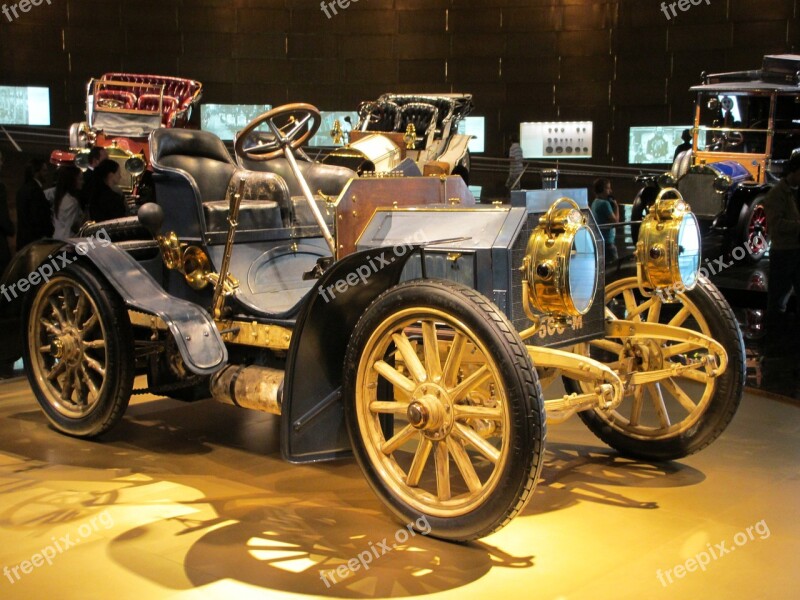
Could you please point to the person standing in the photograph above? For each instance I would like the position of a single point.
(96, 155)
(606, 212)
(105, 202)
(783, 218)
(516, 168)
(67, 213)
(34, 219)
(6, 225)
(686, 136)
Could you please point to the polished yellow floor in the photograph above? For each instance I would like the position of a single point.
(194, 501)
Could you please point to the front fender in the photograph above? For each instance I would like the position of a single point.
(313, 426)
(195, 333)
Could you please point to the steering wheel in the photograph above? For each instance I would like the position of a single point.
(291, 125)
(726, 140)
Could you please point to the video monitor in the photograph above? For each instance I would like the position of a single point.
(556, 140)
(347, 120)
(24, 105)
(654, 145)
(474, 126)
(225, 120)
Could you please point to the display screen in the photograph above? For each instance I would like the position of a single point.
(564, 139)
(24, 105)
(474, 126)
(654, 145)
(347, 120)
(225, 120)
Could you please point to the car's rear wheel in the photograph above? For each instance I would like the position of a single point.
(675, 416)
(444, 409)
(78, 351)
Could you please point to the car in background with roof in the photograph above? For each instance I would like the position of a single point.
(746, 125)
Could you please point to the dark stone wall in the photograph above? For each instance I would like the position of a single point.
(618, 63)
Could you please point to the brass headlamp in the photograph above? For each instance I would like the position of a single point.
(668, 249)
(561, 264)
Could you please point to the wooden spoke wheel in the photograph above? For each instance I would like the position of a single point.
(675, 415)
(78, 352)
(444, 409)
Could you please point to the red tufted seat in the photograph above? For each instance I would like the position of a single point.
(184, 92)
(115, 99)
(168, 109)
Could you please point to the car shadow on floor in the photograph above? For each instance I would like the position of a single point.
(204, 496)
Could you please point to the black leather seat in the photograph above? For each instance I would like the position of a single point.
(380, 116)
(328, 179)
(195, 176)
(423, 116)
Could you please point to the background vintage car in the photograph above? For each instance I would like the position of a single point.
(122, 109)
(389, 317)
(746, 124)
(421, 129)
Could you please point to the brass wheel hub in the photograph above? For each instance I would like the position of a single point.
(430, 411)
(67, 347)
(642, 355)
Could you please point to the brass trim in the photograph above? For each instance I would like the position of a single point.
(251, 333)
(605, 387)
(657, 249)
(546, 266)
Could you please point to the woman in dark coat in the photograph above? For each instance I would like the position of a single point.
(34, 218)
(104, 201)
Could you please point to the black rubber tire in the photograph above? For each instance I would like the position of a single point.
(115, 390)
(724, 402)
(526, 406)
(743, 237)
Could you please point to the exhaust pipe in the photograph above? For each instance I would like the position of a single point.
(255, 388)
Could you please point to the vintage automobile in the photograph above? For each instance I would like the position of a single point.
(746, 125)
(122, 109)
(391, 318)
(420, 129)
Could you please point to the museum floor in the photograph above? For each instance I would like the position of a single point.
(194, 501)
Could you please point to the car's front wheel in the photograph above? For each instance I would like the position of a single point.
(78, 351)
(754, 234)
(444, 409)
(672, 416)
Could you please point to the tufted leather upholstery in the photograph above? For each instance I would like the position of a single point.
(184, 91)
(127, 99)
(423, 116)
(151, 102)
(202, 156)
(381, 116)
(328, 179)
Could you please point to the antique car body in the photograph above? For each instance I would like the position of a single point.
(419, 128)
(388, 321)
(122, 109)
(746, 124)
